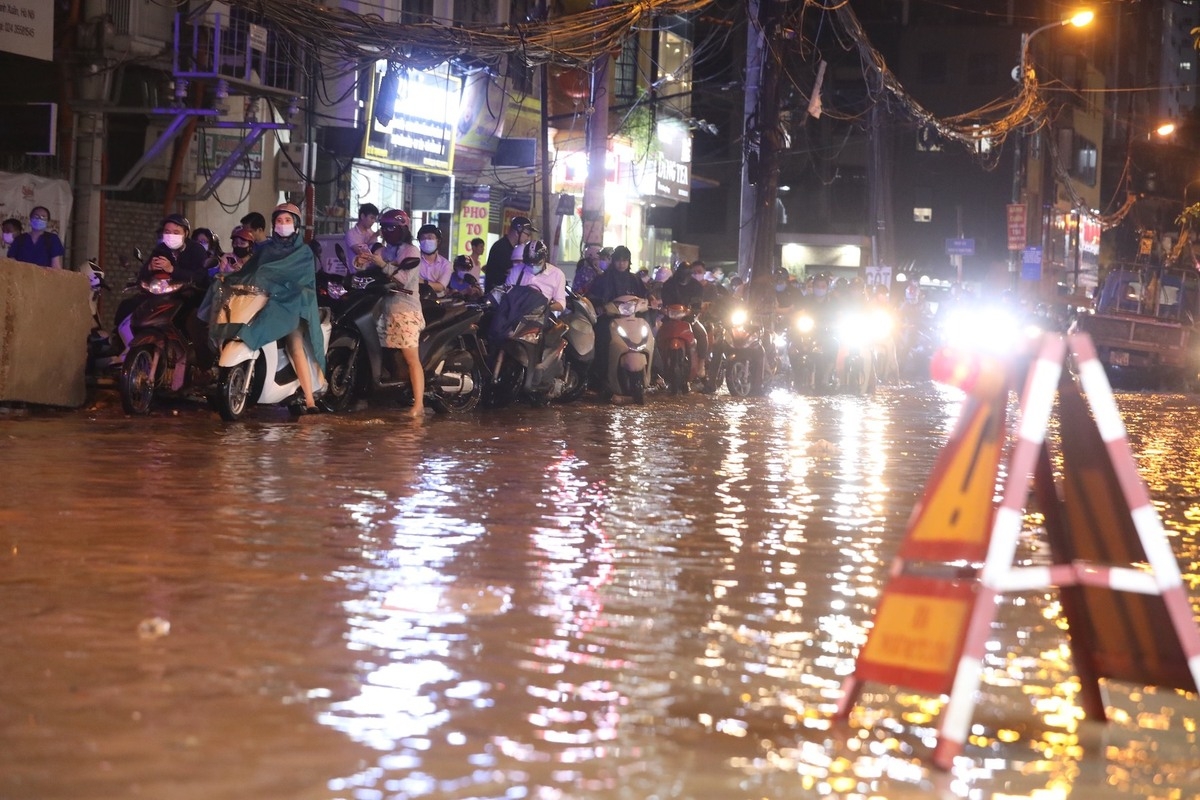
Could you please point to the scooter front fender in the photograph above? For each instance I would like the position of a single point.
(235, 352)
(634, 361)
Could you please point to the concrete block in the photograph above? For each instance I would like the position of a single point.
(45, 318)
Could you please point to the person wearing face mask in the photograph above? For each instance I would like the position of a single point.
(175, 258)
(400, 325)
(286, 269)
(463, 283)
(10, 229)
(241, 243)
(587, 270)
(39, 245)
(534, 270)
(436, 269)
(616, 281)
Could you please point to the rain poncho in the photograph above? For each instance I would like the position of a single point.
(286, 270)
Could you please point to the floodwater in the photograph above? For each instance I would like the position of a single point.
(576, 602)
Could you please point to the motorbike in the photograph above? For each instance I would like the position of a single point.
(675, 342)
(580, 319)
(451, 354)
(161, 357)
(742, 356)
(247, 377)
(860, 332)
(630, 348)
(529, 345)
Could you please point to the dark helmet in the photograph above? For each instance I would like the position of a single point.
(427, 229)
(177, 219)
(395, 217)
(462, 263)
(683, 265)
(536, 253)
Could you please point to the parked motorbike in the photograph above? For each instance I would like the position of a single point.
(630, 348)
(450, 350)
(580, 319)
(247, 377)
(528, 346)
(105, 349)
(161, 358)
(675, 343)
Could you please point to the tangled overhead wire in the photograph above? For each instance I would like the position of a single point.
(572, 40)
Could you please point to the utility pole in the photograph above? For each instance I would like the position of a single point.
(597, 149)
(761, 143)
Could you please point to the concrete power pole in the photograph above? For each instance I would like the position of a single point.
(597, 152)
(761, 144)
(88, 141)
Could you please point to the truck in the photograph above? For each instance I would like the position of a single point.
(1144, 325)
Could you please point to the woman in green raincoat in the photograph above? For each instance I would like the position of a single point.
(285, 268)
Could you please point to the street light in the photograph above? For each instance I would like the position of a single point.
(1078, 19)
(1025, 76)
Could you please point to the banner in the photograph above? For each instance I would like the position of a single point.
(27, 28)
(1016, 226)
(473, 216)
(19, 193)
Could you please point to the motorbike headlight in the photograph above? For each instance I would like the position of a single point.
(881, 324)
(627, 308)
(739, 317)
(854, 330)
(805, 324)
(988, 329)
(160, 286)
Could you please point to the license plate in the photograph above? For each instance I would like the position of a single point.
(1118, 358)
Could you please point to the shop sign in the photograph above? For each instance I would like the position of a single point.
(413, 118)
(473, 215)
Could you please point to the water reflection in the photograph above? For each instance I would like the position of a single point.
(567, 602)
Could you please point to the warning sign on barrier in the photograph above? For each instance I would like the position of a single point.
(1126, 622)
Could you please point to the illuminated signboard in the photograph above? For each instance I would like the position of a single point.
(413, 117)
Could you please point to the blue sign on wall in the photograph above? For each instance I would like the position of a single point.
(960, 247)
(1031, 264)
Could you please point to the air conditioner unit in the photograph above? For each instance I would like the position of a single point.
(291, 166)
(149, 26)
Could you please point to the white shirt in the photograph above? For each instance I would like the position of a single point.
(357, 238)
(439, 270)
(551, 282)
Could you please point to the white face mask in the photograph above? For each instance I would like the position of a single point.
(284, 230)
(429, 246)
(173, 241)
(7, 237)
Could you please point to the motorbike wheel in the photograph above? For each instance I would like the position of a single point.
(633, 384)
(737, 378)
(676, 370)
(341, 372)
(459, 403)
(574, 383)
(137, 381)
(233, 390)
(504, 390)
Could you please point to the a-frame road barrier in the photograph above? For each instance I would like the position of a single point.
(1128, 612)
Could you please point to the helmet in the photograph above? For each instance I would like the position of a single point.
(177, 219)
(621, 253)
(286, 208)
(536, 253)
(427, 229)
(684, 266)
(463, 263)
(394, 217)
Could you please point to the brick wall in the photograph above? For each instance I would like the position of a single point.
(128, 226)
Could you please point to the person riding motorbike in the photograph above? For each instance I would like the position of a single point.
(175, 258)
(615, 281)
(684, 288)
(534, 270)
(285, 268)
(436, 269)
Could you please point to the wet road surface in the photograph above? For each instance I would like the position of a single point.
(573, 602)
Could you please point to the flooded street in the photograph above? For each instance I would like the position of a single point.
(577, 602)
